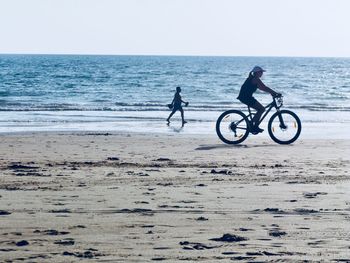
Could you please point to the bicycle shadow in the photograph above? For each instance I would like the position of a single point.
(223, 146)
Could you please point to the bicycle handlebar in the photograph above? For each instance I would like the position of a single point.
(278, 98)
(278, 95)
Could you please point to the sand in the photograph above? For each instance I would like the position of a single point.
(107, 197)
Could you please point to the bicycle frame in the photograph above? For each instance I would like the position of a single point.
(269, 107)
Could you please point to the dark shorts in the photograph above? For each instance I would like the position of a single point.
(249, 101)
(177, 107)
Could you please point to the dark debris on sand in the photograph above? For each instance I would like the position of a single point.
(113, 159)
(162, 159)
(201, 218)
(195, 246)
(19, 166)
(22, 243)
(227, 172)
(313, 195)
(141, 211)
(165, 184)
(277, 233)
(4, 213)
(229, 253)
(297, 211)
(96, 134)
(65, 242)
(85, 254)
(32, 174)
(229, 238)
(138, 174)
(245, 229)
(242, 258)
(65, 210)
(158, 259)
(135, 210)
(28, 169)
(52, 232)
(273, 210)
(77, 226)
(305, 211)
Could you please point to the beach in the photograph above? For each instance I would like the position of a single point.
(114, 117)
(143, 197)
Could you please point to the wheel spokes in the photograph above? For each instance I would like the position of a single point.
(232, 127)
(286, 129)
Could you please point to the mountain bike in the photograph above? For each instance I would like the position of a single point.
(284, 126)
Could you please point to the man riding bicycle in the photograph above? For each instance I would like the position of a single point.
(251, 84)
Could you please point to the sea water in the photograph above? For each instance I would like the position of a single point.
(130, 93)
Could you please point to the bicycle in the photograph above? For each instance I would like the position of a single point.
(284, 126)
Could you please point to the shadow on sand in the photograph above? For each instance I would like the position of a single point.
(176, 129)
(222, 146)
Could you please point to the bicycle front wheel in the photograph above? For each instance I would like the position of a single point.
(284, 127)
(232, 127)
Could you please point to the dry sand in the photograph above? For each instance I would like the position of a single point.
(142, 198)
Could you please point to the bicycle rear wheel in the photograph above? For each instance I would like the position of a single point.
(232, 127)
(284, 127)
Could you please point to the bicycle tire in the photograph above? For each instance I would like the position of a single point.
(220, 127)
(294, 122)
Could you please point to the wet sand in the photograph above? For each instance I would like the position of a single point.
(141, 198)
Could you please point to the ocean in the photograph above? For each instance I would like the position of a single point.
(130, 93)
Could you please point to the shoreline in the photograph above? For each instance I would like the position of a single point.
(331, 125)
(310, 131)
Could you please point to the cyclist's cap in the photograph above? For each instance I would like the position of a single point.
(258, 69)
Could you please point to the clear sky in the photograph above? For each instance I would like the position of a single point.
(176, 27)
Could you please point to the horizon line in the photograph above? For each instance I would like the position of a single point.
(169, 55)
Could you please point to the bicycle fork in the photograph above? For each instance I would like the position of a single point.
(282, 124)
